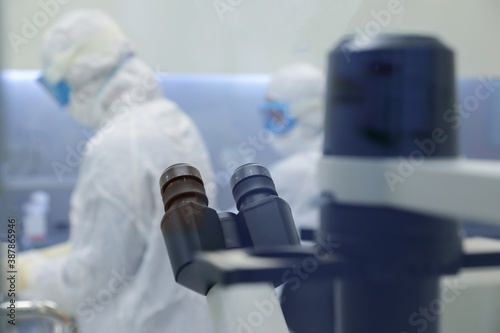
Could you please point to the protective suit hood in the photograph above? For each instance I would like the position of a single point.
(301, 88)
(87, 51)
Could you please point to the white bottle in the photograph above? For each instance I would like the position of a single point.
(35, 216)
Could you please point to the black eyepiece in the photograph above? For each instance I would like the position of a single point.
(250, 183)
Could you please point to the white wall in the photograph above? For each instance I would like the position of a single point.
(262, 35)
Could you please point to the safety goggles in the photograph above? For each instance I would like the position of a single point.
(277, 118)
(59, 91)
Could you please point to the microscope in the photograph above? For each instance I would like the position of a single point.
(394, 189)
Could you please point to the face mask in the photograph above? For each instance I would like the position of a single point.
(298, 139)
(86, 103)
(59, 91)
(277, 118)
(111, 74)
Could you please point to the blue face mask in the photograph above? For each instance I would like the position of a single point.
(277, 119)
(59, 91)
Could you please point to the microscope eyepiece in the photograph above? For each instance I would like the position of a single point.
(184, 183)
(248, 170)
(179, 170)
(189, 226)
(250, 183)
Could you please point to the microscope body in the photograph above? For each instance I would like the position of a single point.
(390, 132)
(386, 101)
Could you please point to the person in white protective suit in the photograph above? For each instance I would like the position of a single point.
(294, 113)
(114, 273)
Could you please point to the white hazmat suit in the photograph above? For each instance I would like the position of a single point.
(300, 87)
(115, 274)
(295, 106)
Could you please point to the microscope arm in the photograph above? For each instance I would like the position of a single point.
(456, 188)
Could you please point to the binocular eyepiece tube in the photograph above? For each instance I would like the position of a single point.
(190, 226)
(251, 183)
